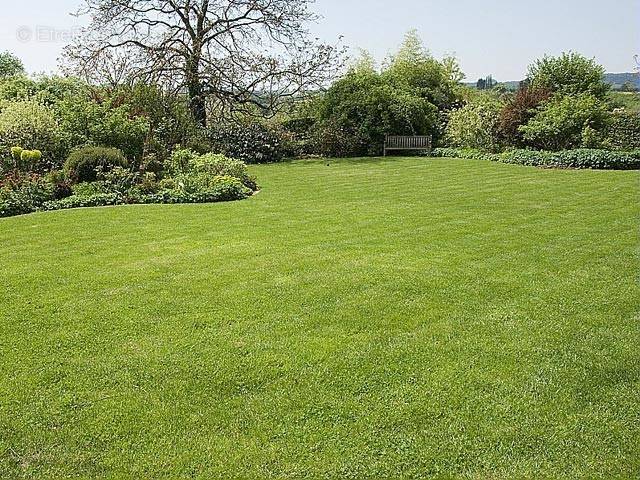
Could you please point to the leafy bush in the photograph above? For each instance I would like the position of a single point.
(60, 185)
(86, 122)
(301, 132)
(518, 111)
(464, 153)
(16, 154)
(579, 158)
(359, 109)
(186, 161)
(569, 74)
(30, 159)
(332, 140)
(216, 189)
(560, 123)
(75, 201)
(82, 164)
(219, 189)
(34, 126)
(475, 125)
(23, 193)
(623, 131)
(251, 142)
(180, 161)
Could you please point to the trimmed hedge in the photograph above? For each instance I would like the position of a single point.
(580, 158)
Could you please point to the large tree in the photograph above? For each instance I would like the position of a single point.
(226, 54)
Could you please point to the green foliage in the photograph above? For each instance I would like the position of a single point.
(218, 189)
(405, 98)
(629, 102)
(185, 162)
(201, 188)
(16, 153)
(86, 122)
(464, 153)
(30, 159)
(22, 193)
(569, 74)
(623, 131)
(83, 164)
(301, 131)
(476, 125)
(414, 69)
(180, 161)
(358, 110)
(578, 158)
(250, 142)
(93, 200)
(31, 125)
(168, 119)
(60, 185)
(10, 65)
(560, 123)
(518, 111)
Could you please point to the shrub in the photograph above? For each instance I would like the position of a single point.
(23, 193)
(300, 131)
(60, 186)
(180, 161)
(16, 154)
(359, 109)
(219, 189)
(518, 111)
(95, 200)
(86, 122)
(569, 74)
(623, 131)
(82, 164)
(579, 158)
(475, 125)
(30, 159)
(464, 153)
(10, 65)
(560, 123)
(183, 162)
(251, 143)
(32, 125)
(331, 140)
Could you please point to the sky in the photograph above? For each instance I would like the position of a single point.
(496, 37)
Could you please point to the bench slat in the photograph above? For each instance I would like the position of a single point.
(406, 142)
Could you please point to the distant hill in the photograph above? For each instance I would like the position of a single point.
(616, 80)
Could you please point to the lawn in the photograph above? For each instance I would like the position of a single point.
(396, 318)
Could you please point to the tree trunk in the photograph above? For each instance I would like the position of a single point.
(197, 103)
(197, 100)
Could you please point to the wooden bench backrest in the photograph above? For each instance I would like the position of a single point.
(398, 142)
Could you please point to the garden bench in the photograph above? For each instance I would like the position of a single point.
(396, 142)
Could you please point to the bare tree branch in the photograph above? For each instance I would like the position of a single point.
(223, 53)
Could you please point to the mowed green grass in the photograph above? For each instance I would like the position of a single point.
(397, 318)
